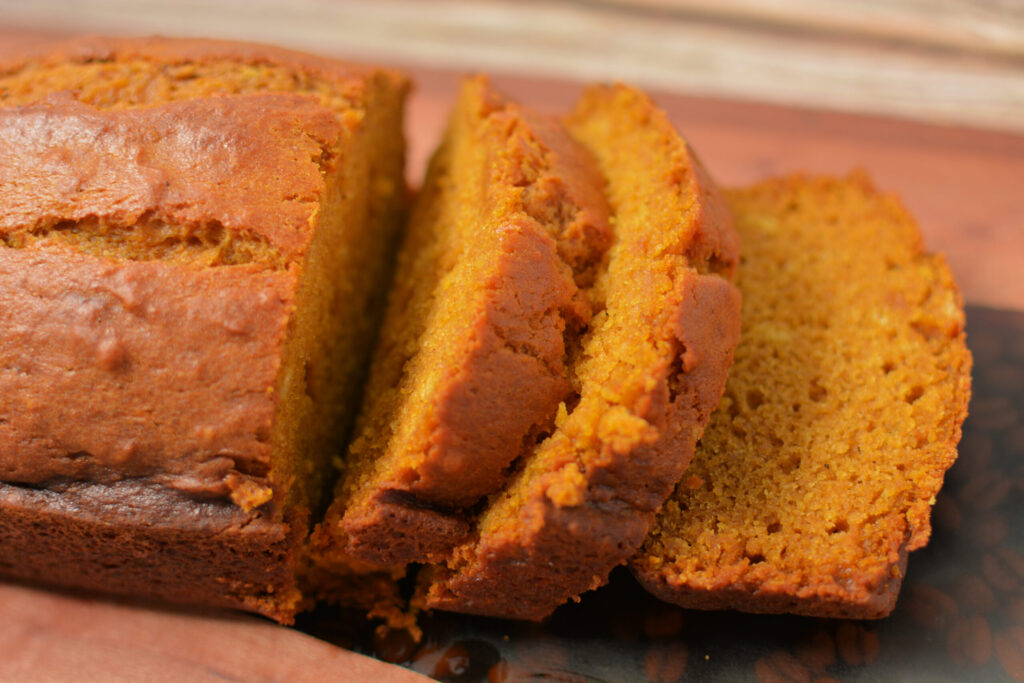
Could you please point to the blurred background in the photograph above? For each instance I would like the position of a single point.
(947, 61)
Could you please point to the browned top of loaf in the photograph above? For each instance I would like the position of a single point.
(841, 414)
(154, 139)
(238, 177)
(295, 71)
(471, 365)
(157, 194)
(651, 369)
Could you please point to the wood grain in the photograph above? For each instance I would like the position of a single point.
(980, 26)
(54, 636)
(954, 61)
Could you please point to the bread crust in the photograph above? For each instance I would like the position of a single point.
(153, 256)
(131, 538)
(162, 51)
(123, 370)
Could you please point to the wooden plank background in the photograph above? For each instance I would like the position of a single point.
(943, 61)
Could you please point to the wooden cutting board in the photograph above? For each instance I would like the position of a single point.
(55, 636)
(965, 187)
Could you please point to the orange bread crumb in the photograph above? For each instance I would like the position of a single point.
(650, 370)
(841, 415)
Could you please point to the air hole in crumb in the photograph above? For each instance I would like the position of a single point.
(754, 399)
(756, 558)
(929, 329)
(789, 464)
(796, 407)
(839, 527)
(718, 266)
(734, 409)
(675, 376)
(888, 366)
(309, 381)
(251, 468)
(916, 392)
(739, 432)
(774, 528)
(775, 441)
(817, 392)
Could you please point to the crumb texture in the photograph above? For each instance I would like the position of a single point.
(841, 414)
(489, 295)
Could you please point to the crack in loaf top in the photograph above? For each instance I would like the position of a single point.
(229, 135)
(125, 339)
(251, 164)
(324, 76)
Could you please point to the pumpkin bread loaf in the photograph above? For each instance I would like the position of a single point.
(650, 369)
(192, 236)
(841, 415)
(474, 353)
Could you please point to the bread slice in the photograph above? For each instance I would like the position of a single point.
(650, 369)
(472, 360)
(841, 415)
(192, 238)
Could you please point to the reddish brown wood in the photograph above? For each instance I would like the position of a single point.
(52, 636)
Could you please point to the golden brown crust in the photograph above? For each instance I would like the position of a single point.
(249, 164)
(816, 476)
(161, 50)
(67, 165)
(103, 393)
(651, 369)
(129, 538)
(875, 599)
